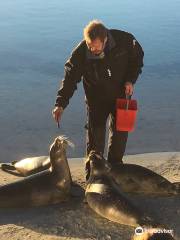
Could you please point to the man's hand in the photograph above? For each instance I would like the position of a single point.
(57, 112)
(129, 88)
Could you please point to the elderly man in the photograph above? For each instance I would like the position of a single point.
(108, 61)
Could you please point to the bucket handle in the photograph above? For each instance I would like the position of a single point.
(127, 98)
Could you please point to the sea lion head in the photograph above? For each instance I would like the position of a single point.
(58, 149)
(97, 162)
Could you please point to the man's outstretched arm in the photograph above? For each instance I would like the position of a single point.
(135, 61)
(72, 75)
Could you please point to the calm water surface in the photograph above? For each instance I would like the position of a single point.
(36, 37)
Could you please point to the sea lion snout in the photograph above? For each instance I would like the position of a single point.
(58, 146)
(97, 163)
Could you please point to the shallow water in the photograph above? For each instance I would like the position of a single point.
(36, 39)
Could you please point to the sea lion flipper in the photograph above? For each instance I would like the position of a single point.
(14, 162)
(7, 166)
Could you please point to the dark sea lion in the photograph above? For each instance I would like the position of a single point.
(27, 166)
(103, 197)
(137, 179)
(47, 187)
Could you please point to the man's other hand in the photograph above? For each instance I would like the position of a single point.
(129, 88)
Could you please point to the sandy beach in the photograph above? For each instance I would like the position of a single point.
(75, 220)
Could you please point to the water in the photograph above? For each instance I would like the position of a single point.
(36, 37)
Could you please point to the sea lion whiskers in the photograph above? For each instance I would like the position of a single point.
(58, 147)
(66, 140)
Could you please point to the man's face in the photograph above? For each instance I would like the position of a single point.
(96, 46)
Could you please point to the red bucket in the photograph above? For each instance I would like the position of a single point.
(126, 110)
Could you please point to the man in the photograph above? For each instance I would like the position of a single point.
(109, 62)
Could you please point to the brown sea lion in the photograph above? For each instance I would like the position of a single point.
(105, 199)
(133, 178)
(27, 166)
(47, 187)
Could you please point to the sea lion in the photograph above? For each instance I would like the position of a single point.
(27, 166)
(104, 198)
(47, 187)
(133, 178)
